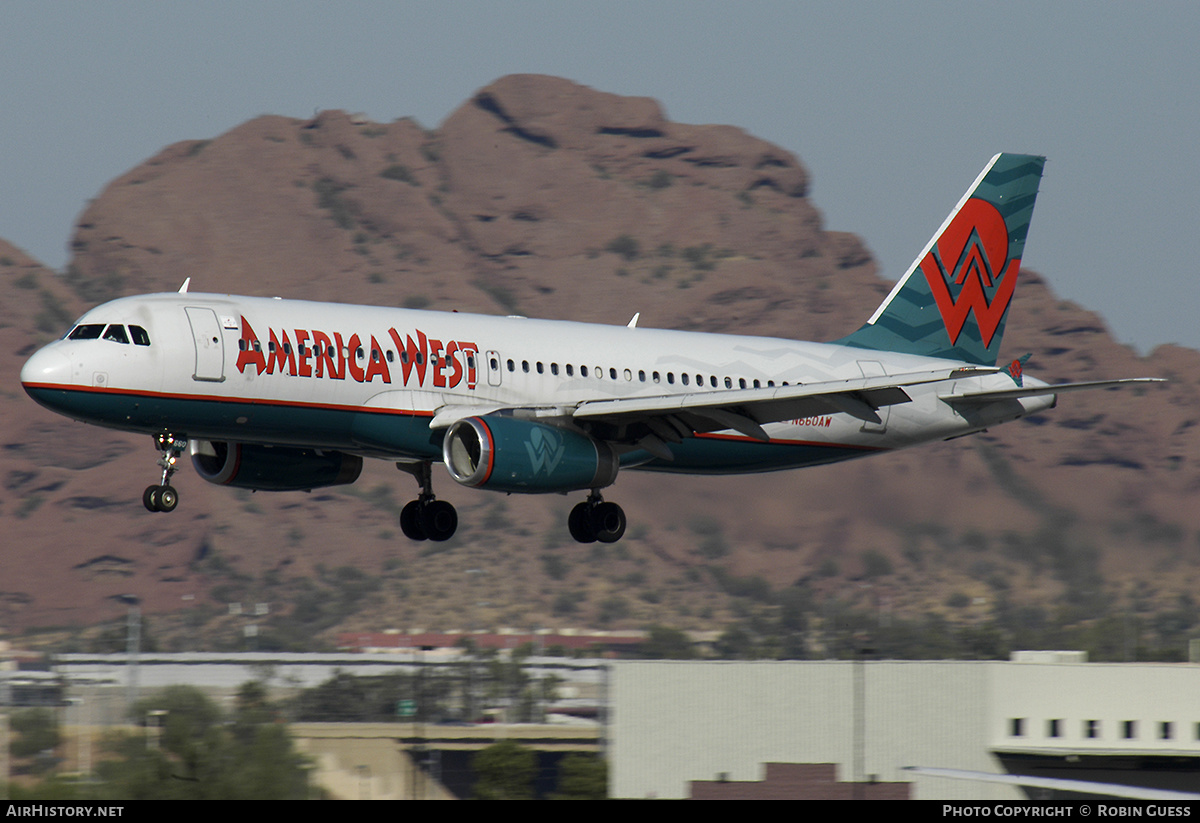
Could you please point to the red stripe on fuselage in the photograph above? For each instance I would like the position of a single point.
(775, 441)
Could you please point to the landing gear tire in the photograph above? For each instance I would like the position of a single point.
(410, 521)
(426, 518)
(439, 520)
(160, 498)
(594, 520)
(168, 499)
(608, 522)
(579, 523)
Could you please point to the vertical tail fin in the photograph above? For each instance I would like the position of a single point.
(953, 300)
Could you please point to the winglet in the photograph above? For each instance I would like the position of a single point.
(184, 287)
(632, 324)
(1016, 368)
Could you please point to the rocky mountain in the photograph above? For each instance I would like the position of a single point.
(545, 198)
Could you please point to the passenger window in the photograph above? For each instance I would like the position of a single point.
(599, 373)
(741, 382)
(728, 383)
(540, 368)
(712, 379)
(756, 385)
(570, 370)
(612, 373)
(90, 331)
(511, 366)
(140, 338)
(583, 371)
(641, 376)
(554, 368)
(684, 378)
(671, 378)
(525, 366)
(655, 377)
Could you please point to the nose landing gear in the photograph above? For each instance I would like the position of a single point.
(426, 518)
(594, 520)
(163, 497)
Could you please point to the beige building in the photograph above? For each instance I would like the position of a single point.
(673, 722)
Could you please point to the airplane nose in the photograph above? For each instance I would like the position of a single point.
(46, 367)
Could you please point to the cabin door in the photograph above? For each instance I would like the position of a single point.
(210, 349)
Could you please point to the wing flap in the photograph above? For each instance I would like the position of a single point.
(746, 410)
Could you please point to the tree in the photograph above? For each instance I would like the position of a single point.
(199, 757)
(504, 771)
(666, 643)
(36, 732)
(582, 777)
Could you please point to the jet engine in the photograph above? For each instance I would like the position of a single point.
(513, 455)
(272, 468)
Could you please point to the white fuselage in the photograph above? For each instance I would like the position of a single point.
(290, 372)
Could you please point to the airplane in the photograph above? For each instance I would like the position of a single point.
(278, 395)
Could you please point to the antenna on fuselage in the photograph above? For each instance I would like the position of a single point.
(632, 324)
(183, 288)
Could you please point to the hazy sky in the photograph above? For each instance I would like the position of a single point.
(893, 107)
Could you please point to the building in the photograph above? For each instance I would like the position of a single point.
(675, 722)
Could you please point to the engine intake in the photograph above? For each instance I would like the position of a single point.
(272, 468)
(513, 455)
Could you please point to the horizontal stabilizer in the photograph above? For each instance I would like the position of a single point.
(1090, 787)
(1042, 391)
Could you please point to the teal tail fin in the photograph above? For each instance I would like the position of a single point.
(953, 300)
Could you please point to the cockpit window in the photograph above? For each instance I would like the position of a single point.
(116, 333)
(86, 331)
(140, 338)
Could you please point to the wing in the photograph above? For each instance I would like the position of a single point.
(654, 422)
(651, 423)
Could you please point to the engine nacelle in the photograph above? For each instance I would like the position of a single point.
(513, 455)
(272, 468)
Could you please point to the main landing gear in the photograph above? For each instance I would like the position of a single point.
(426, 518)
(163, 497)
(594, 520)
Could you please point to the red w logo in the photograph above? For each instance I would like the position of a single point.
(976, 245)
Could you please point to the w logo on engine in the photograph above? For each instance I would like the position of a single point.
(545, 447)
(969, 270)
